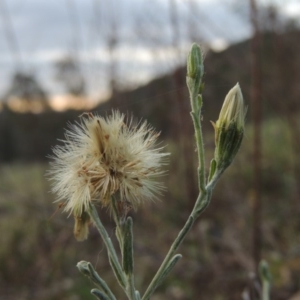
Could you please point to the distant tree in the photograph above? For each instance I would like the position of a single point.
(69, 74)
(26, 87)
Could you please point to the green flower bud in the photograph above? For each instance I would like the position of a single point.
(195, 62)
(264, 271)
(233, 109)
(83, 268)
(229, 129)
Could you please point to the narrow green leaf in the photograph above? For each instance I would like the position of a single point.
(212, 169)
(87, 269)
(167, 270)
(128, 247)
(100, 282)
(137, 295)
(119, 276)
(98, 294)
(200, 101)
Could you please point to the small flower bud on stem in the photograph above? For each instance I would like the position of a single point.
(195, 62)
(229, 128)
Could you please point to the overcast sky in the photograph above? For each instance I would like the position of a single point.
(34, 34)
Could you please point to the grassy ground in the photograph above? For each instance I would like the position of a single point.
(38, 252)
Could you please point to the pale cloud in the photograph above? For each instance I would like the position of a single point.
(47, 31)
(292, 9)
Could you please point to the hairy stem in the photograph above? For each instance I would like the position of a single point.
(194, 78)
(109, 245)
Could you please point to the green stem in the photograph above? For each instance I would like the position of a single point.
(196, 105)
(128, 263)
(130, 287)
(194, 79)
(265, 290)
(108, 243)
(137, 295)
(194, 86)
(88, 270)
(200, 150)
(125, 238)
(265, 277)
(200, 205)
(156, 279)
(119, 229)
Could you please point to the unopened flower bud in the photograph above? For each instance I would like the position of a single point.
(83, 268)
(264, 271)
(229, 129)
(195, 62)
(233, 109)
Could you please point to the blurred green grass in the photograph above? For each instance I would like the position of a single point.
(38, 252)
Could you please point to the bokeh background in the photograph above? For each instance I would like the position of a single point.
(59, 59)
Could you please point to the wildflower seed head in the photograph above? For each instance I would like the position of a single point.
(102, 157)
(229, 129)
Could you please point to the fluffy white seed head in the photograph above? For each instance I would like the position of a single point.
(104, 156)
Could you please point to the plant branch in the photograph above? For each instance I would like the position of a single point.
(194, 77)
(109, 245)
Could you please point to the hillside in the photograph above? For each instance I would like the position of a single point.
(164, 101)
